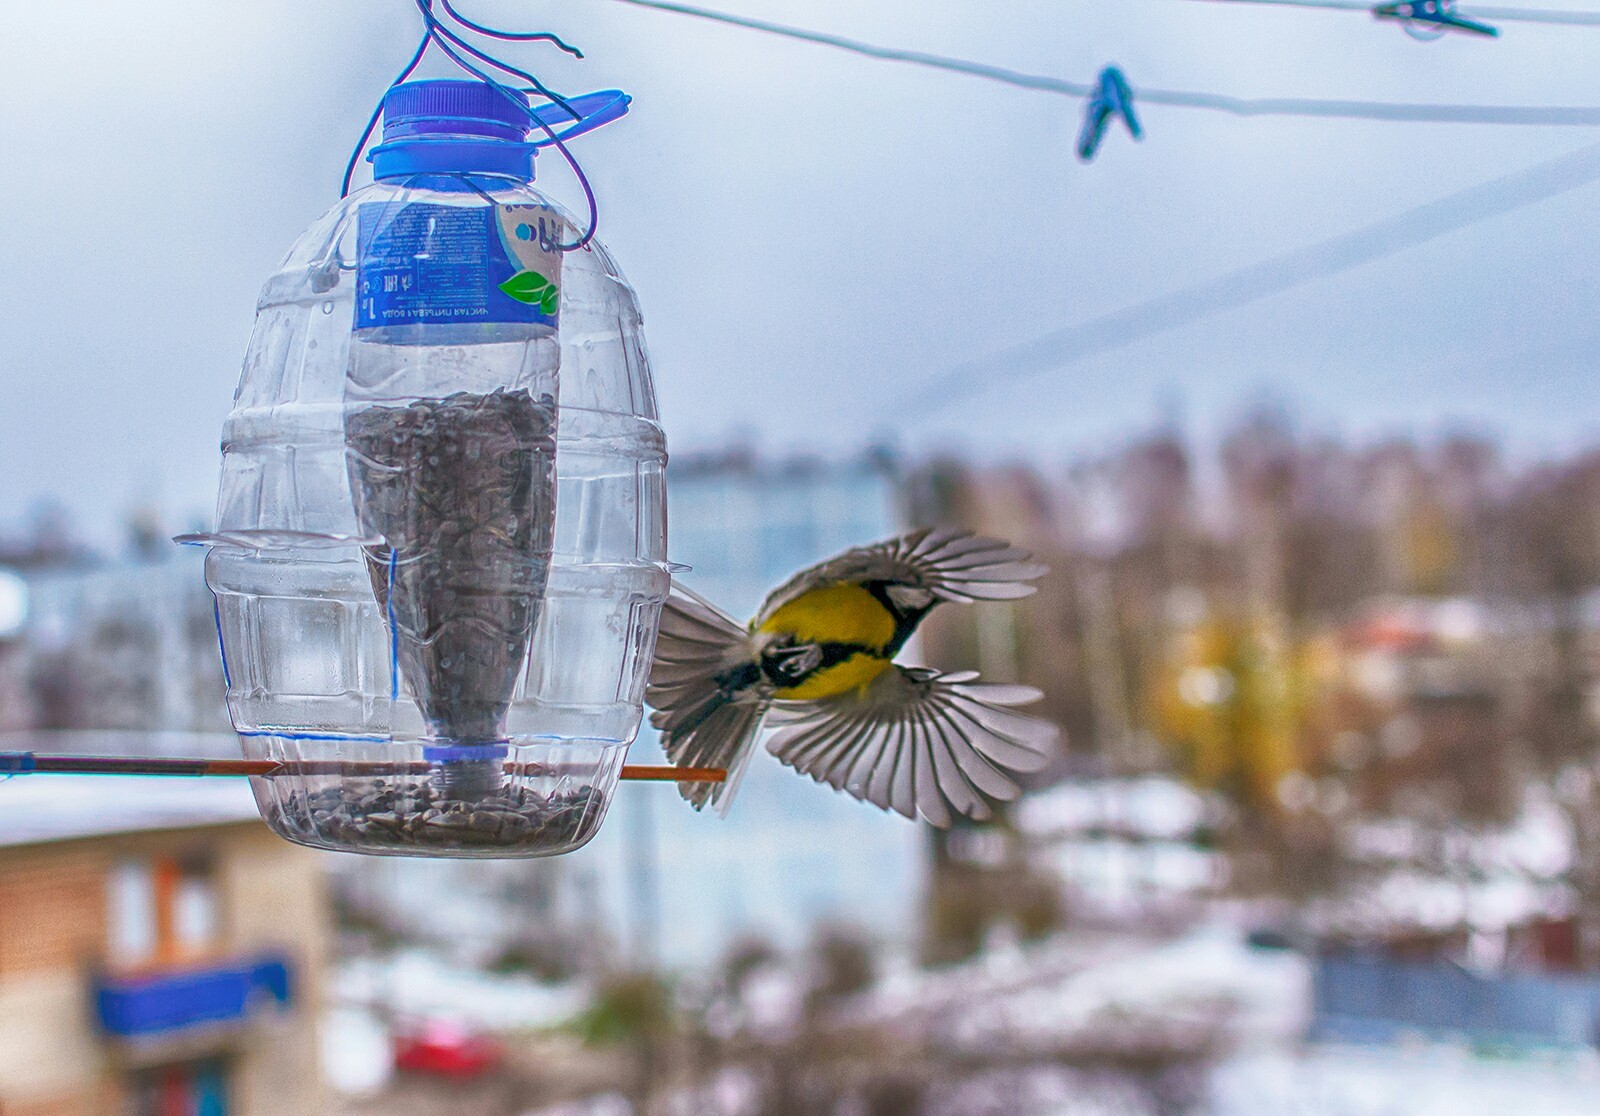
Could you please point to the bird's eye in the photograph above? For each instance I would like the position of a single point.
(794, 663)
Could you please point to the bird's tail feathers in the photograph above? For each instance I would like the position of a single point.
(705, 719)
(726, 739)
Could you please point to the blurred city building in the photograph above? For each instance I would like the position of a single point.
(128, 644)
(160, 953)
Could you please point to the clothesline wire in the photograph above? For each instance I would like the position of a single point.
(1552, 16)
(1243, 286)
(1584, 116)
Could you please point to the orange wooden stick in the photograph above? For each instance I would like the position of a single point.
(677, 774)
(141, 765)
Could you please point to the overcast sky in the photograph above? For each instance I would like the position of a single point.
(815, 237)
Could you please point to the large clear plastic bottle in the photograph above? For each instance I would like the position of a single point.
(439, 556)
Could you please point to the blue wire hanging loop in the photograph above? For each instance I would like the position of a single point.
(580, 114)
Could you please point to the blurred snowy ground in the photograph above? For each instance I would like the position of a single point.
(1425, 1081)
(1030, 1007)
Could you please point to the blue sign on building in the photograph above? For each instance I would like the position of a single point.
(168, 1003)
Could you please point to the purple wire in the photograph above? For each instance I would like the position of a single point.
(441, 32)
(583, 181)
(372, 121)
(444, 37)
(509, 36)
(437, 34)
(522, 102)
(444, 45)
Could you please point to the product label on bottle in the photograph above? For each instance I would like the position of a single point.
(436, 264)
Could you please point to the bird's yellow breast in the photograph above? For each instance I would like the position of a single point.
(834, 614)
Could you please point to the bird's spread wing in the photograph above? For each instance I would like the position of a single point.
(917, 741)
(953, 565)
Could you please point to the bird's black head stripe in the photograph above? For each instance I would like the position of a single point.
(905, 620)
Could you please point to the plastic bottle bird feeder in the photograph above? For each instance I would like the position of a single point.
(439, 555)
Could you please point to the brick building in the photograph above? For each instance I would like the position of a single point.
(159, 953)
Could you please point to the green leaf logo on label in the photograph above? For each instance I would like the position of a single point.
(534, 289)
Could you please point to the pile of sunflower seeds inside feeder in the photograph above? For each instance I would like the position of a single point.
(463, 492)
(374, 813)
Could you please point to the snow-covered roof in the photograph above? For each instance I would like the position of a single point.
(39, 808)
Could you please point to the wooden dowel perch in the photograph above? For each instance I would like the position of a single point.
(25, 762)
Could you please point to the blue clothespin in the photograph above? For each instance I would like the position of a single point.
(1112, 97)
(15, 763)
(1432, 18)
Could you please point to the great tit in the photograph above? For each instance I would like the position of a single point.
(817, 664)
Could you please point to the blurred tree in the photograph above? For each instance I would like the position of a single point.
(981, 881)
(627, 1007)
(1227, 703)
(1552, 526)
(841, 964)
(633, 1011)
(745, 958)
(892, 1096)
(1550, 563)
(1333, 635)
(51, 541)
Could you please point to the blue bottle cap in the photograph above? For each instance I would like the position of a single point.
(462, 108)
(453, 127)
(471, 127)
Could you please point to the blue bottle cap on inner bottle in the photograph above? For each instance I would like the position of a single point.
(464, 108)
(453, 127)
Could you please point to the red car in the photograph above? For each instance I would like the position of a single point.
(446, 1050)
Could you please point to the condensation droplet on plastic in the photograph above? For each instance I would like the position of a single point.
(327, 306)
